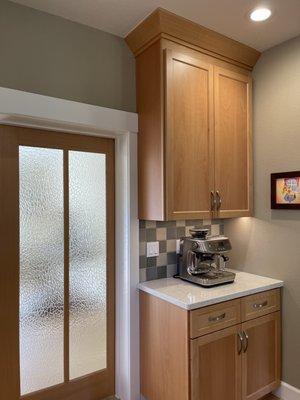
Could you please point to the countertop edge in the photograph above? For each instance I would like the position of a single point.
(162, 296)
(210, 302)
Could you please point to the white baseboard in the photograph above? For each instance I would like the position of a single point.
(287, 392)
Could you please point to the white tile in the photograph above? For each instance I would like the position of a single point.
(215, 230)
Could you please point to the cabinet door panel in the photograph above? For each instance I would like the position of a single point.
(216, 366)
(261, 360)
(233, 153)
(189, 157)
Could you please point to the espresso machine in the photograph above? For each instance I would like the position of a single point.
(202, 259)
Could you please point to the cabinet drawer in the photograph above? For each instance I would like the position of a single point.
(260, 304)
(213, 318)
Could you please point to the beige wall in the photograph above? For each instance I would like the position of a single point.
(269, 244)
(49, 55)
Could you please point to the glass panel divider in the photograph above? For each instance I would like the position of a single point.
(66, 268)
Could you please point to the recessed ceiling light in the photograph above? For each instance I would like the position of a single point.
(260, 14)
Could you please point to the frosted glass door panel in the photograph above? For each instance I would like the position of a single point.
(87, 203)
(41, 268)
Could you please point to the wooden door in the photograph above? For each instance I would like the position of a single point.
(261, 358)
(233, 152)
(50, 273)
(189, 143)
(216, 365)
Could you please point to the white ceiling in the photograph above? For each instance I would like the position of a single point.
(229, 17)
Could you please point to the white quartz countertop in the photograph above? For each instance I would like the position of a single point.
(190, 296)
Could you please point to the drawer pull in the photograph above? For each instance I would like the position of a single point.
(218, 318)
(260, 305)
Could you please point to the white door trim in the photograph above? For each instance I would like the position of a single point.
(43, 112)
(287, 392)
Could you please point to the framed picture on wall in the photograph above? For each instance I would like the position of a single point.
(285, 190)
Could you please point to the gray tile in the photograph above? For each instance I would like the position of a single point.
(163, 246)
(162, 272)
(166, 223)
(172, 258)
(151, 262)
(143, 262)
(143, 276)
(142, 235)
(221, 229)
(193, 222)
(180, 223)
(217, 221)
(151, 273)
(161, 224)
(150, 224)
(150, 235)
(180, 232)
(171, 270)
(161, 259)
(171, 233)
(142, 223)
(142, 248)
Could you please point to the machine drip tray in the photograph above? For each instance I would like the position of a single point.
(210, 278)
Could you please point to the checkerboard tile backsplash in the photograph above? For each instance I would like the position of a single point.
(166, 233)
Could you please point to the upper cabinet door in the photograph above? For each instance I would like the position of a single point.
(189, 166)
(233, 151)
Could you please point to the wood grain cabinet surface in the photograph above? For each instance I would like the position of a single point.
(210, 353)
(194, 142)
(216, 366)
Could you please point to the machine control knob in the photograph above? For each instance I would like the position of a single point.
(195, 246)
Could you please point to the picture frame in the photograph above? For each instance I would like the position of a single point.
(285, 190)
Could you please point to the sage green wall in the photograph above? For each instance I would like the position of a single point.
(49, 55)
(269, 244)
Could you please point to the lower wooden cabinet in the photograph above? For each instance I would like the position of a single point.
(261, 362)
(216, 366)
(240, 362)
(237, 362)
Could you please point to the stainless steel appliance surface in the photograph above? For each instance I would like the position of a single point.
(202, 259)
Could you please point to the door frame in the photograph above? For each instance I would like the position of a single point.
(42, 112)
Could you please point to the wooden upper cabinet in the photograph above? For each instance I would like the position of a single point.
(189, 161)
(216, 363)
(261, 361)
(233, 149)
(194, 107)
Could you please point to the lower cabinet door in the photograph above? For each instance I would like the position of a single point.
(261, 359)
(216, 362)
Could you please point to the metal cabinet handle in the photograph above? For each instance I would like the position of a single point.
(260, 305)
(245, 348)
(218, 318)
(219, 200)
(240, 342)
(213, 201)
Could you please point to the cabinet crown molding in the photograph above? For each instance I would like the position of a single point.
(164, 24)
